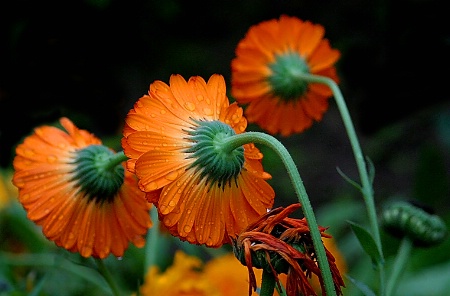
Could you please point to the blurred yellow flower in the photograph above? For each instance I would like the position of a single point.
(8, 192)
(188, 276)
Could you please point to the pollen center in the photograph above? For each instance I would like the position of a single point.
(285, 81)
(217, 164)
(96, 178)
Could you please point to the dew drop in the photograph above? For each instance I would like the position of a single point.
(172, 203)
(172, 176)
(152, 186)
(189, 106)
(28, 152)
(207, 111)
(187, 228)
(200, 97)
(51, 158)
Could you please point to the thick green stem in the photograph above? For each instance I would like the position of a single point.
(233, 142)
(402, 257)
(107, 276)
(115, 160)
(367, 189)
(268, 284)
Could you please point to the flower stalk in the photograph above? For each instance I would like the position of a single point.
(271, 142)
(107, 276)
(366, 189)
(401, 259)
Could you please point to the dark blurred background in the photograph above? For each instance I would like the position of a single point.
(91, 60)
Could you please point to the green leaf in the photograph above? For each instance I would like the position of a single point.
(367, 242)
(361, 286)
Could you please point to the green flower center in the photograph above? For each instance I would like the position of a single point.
(216, 163)
(285, 81)
(98, 174)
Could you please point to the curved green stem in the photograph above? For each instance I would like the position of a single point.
(235, 141)
(107, 276)
(367, 189)
(402, 257)
(115, 160)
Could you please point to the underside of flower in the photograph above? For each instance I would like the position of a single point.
(99, 179)
(284, 80)
(216, 163)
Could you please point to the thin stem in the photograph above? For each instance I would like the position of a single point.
(367, 189)
(268, 284)
(107, 276)
(400, 261)
(270, 141)
(152, 241)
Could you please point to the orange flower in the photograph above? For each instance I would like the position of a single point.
(278, 244)
(81, 209)
(267, 69)
(220, 276)
(174, 138)
(183, 278)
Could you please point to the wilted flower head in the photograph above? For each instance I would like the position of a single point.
(279, 244)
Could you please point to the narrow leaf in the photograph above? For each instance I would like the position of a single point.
(367, 242)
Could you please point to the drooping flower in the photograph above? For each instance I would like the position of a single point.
(68, 185)
(266, 74)
(174, 140)
(279, 244)
(188, 275)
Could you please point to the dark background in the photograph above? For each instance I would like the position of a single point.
(91, 60)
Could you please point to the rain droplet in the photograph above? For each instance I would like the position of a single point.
(207, 111)
(51, 158)
(189, 106)
(172, 176)
(187, 228)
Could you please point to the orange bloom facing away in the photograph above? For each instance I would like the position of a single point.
(265, 74)
(45, 174)
(170, 137)
(282, 245)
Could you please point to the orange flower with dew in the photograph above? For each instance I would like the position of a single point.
(282, 245)
(188, 275)
(266, 74)
(174, 140)
(67, 185)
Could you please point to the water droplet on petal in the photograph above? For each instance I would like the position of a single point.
(51, 158)
(207, 111)
(172, 176)
(187, 228)
(189, 106)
